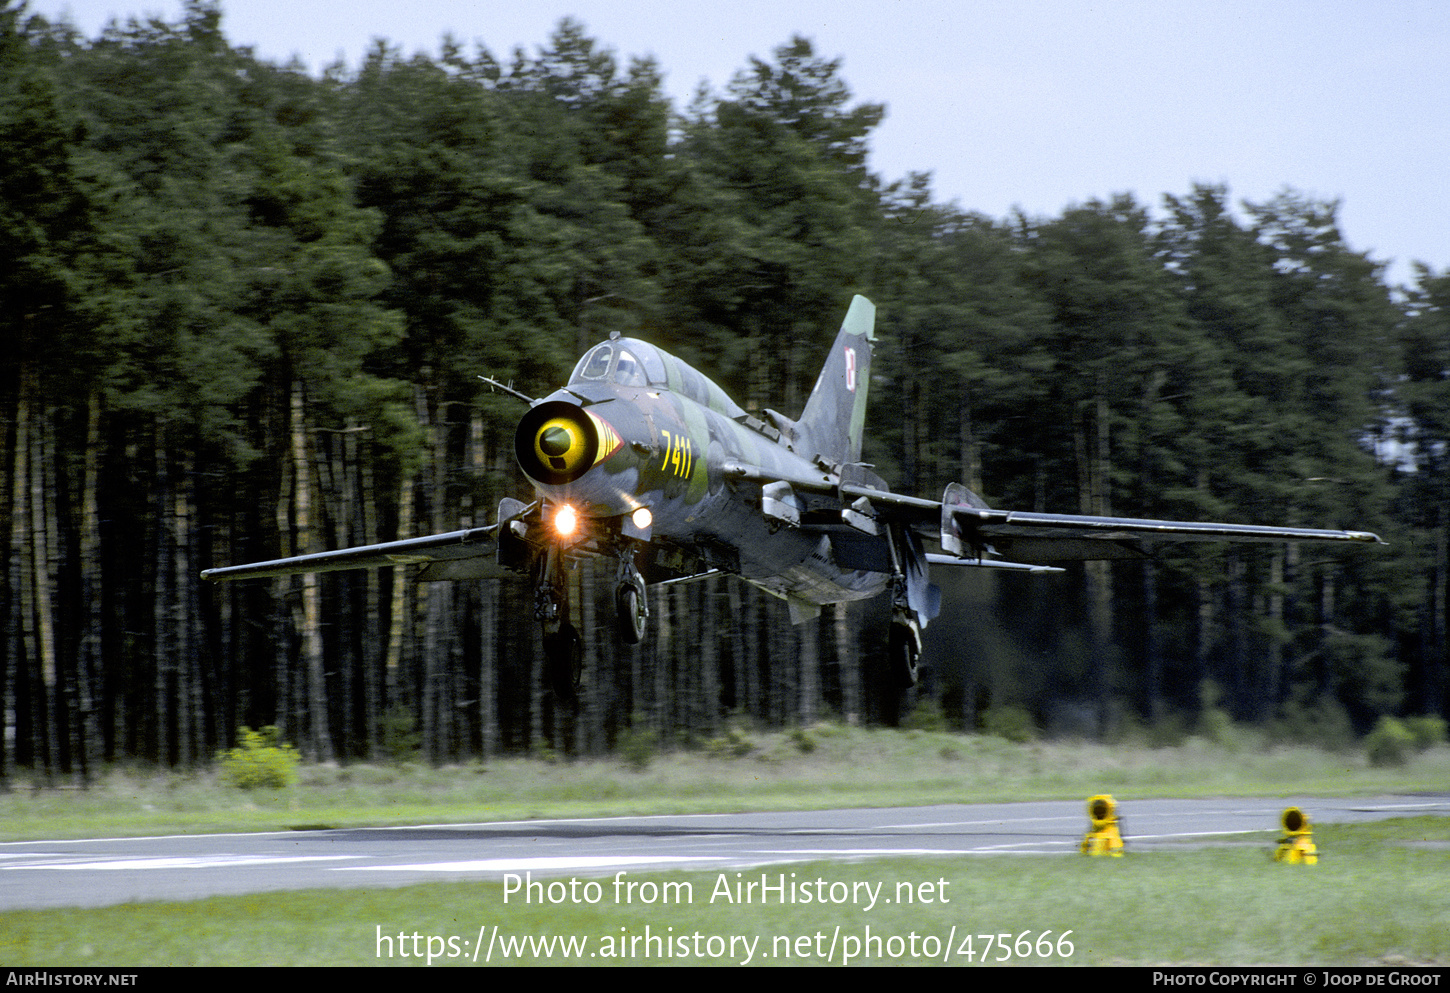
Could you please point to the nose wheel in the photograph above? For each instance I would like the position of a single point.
(633, 614)
(630, 601)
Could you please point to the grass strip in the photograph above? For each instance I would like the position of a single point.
(1379, 896)
(816, 768)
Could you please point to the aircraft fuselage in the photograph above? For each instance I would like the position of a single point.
(665, 450)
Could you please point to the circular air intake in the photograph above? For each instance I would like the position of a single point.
(556, 443)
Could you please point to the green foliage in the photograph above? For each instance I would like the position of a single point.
(637, 744)
(1389, 744)
(1214, 722)
(260, 761)
(402, 741)
(1428, 730)
(1010, 722)
(733, 744)
(1393, 740)
(927, 715)
(1319, 721)
(804, 743)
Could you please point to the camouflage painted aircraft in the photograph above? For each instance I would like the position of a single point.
(642, 460)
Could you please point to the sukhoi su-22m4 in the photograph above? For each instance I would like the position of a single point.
(642, 460)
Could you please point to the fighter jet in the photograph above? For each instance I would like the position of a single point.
(643, 461)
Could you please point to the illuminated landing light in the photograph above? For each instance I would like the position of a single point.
(566, 521)
(642, 518)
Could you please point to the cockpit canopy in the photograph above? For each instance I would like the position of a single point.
(631, 362)
(623, 362)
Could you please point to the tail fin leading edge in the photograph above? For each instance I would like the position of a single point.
(835, 414)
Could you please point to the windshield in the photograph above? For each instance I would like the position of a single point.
(594, 365)
(638, 365)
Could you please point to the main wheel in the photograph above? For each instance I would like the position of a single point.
(633, 613)
(903, 656)
(564, 657)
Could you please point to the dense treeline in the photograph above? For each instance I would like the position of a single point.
(244, 309)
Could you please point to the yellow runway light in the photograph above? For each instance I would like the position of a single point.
(1103, 837)
(1297, 846)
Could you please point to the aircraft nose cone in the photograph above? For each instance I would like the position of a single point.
(560, 444)
(554, 440)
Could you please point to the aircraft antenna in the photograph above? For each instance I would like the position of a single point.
(509, 388)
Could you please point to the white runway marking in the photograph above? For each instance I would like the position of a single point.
(509, 865)
(184, 862)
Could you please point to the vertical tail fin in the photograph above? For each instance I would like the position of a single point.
(835, 414)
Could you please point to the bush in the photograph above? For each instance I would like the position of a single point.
(401, 739)
(1390, 743)
(925, 716)
(1322, 721)
(1427, 730)
(260, 761)
(636, 744)
(733, 744)
(1009, 722)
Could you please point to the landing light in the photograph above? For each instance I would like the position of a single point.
(642, 518)
(566, 521)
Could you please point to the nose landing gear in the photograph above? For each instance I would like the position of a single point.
(630, 601)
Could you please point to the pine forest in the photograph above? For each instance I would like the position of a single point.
(244, 311)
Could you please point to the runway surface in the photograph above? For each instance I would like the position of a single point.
(104, 871)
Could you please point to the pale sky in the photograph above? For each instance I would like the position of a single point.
(1036, 104)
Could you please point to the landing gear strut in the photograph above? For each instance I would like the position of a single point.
(564, 656)
(563, 648)
(914, 601)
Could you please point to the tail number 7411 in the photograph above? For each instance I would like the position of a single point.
(679, 455)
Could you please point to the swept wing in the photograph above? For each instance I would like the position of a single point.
(969, 528)
(466, 554)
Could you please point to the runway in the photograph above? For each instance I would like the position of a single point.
(105, 871)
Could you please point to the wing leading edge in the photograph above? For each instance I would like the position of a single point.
(970, 529)
(466, 554)
(967, 524)
(1066, 537)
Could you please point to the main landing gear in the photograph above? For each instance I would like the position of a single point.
(914, 601)
(904, 652)
(563, 647)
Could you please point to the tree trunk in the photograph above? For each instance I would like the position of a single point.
(849, 663)
(163, 595)
(319, 737)
(432, 607)
(372, 623)
(27, 716)
(188, 690)
(89, 662)
(1091, 443)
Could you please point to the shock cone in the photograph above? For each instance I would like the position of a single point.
(557, 442)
